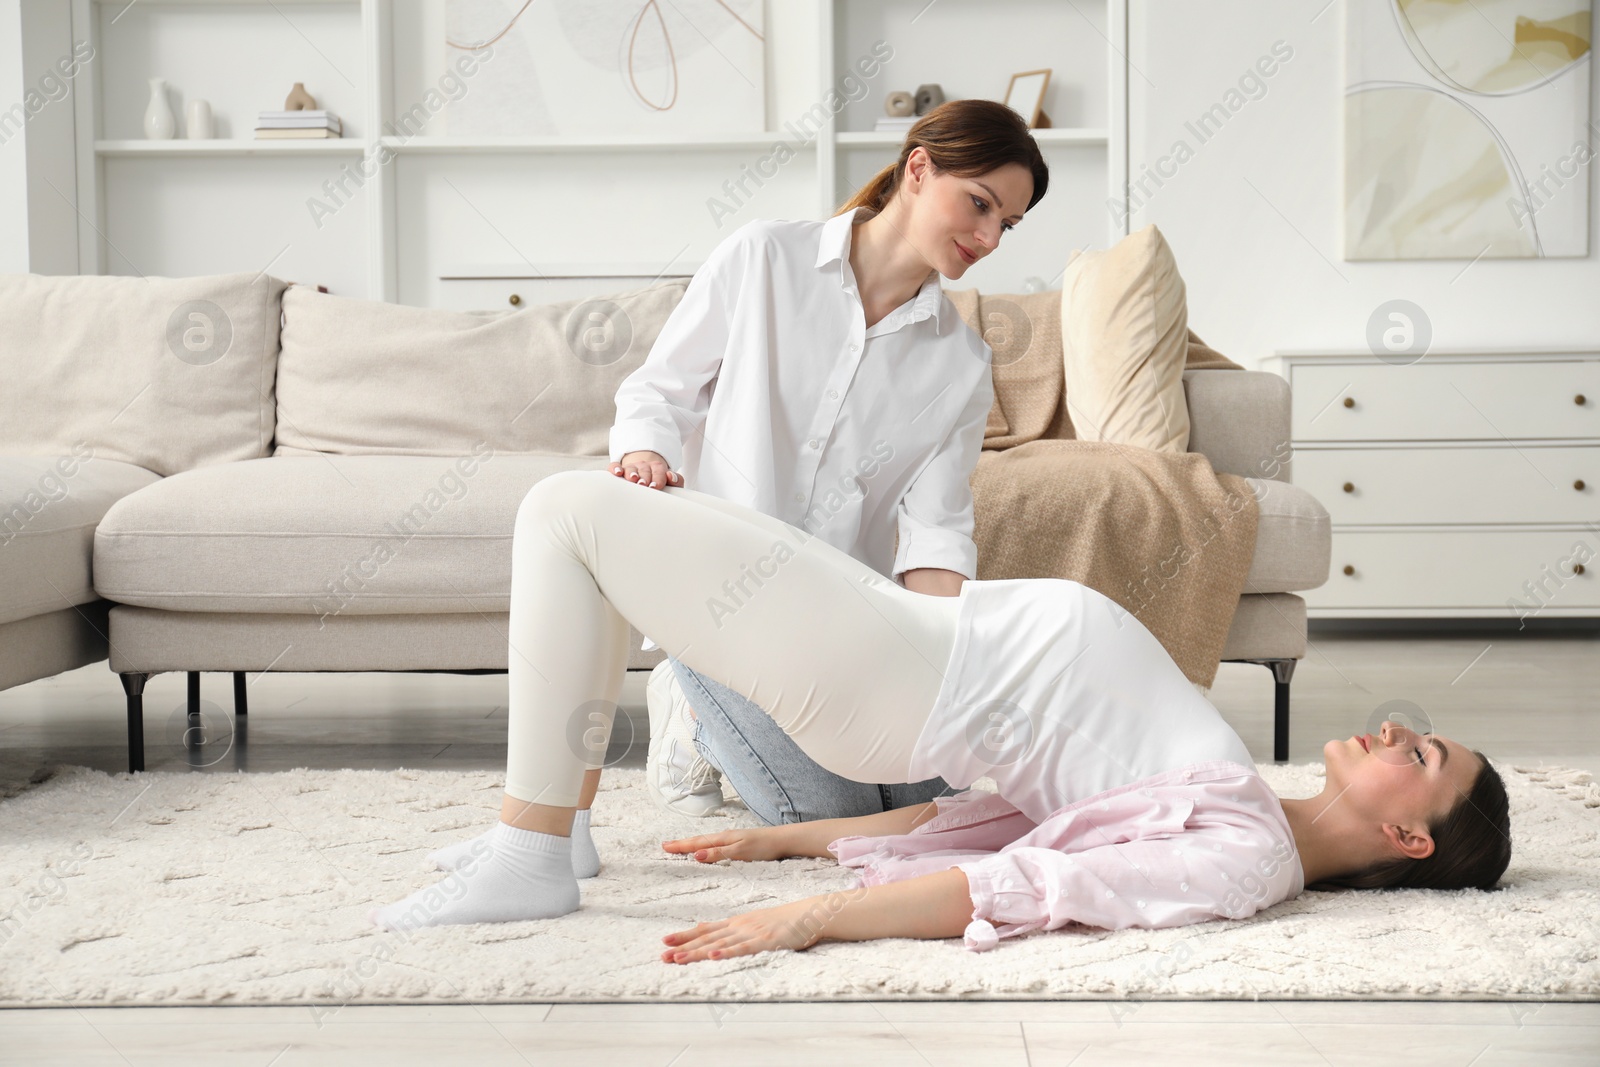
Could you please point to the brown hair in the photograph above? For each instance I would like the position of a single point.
(1471, 846)
(965, 138)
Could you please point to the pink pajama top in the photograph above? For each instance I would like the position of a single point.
(1124, 797)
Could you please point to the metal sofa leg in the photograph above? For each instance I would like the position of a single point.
(239, 705)
(195, 729)
(1282, 671)
(133, 685)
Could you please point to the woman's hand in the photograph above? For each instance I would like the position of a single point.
(649, 469)
(931, 906)
(764, 930)
(788, 926)
(747, 843)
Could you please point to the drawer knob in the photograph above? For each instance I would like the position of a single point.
(1349, 487)
(1350, 401)
(1580, 400)
(1577, 568)
(515, 299)
(1349, 569)
(1578, 485)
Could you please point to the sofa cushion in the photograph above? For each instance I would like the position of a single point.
(49, 506)
(1294, 540)
(324, 535)
(1125, 340)
(165, 373)
(359, 377)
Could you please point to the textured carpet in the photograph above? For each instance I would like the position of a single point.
(180, 888)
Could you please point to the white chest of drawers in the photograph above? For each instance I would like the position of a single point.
(1466, 484)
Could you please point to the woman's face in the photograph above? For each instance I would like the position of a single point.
(960, 220)
(1400, 780)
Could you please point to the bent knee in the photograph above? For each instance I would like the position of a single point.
(564, 493)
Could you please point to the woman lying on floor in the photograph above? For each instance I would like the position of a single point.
(1124, 799)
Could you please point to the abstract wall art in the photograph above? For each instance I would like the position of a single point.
(575, 68)
(1467, 129)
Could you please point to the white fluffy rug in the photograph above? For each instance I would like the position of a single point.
(174, 888)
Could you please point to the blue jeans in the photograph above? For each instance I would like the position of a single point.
(775, 778)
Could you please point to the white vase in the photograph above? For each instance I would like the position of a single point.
(159, 122)
(199, 126)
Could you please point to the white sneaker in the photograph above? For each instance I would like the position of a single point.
(678, 777)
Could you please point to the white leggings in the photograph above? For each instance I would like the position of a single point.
(845, 660)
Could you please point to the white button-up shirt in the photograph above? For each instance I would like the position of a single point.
(766, 387)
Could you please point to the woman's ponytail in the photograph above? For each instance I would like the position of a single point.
(965, 138)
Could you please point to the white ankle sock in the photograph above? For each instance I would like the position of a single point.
(585, 859)
(526, 875)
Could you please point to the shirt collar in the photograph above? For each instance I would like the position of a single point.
(835, 247)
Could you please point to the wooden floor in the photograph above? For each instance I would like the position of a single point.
(1528, 699)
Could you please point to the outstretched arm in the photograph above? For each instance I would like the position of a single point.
(932, 906)
(799, 838)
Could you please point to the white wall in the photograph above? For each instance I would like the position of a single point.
(1262, 264)
(13, 155)
(38, 184)
(52, 166)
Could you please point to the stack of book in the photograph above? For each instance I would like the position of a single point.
(896, 124)
(298, 124)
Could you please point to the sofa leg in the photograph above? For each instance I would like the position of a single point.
(239, 705)
(195, 728)
(1282, 671)
(133, 685)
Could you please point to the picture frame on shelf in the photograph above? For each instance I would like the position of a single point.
(1025, 95)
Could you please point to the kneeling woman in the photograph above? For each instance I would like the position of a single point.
(1124, 799)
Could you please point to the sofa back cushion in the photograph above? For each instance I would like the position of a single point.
(164, 373)
(1124, 339)
(361, 377)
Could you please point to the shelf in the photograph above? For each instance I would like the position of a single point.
(448, 145)
(223, 3)
(642, 142)
(218, 146)
(517, 271)
(893, 139)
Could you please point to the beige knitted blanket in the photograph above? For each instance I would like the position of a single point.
(1160, 533)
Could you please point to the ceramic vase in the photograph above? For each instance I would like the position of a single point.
(159, 122)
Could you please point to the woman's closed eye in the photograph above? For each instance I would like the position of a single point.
(983, 206)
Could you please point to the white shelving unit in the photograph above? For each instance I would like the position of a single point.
(396, 211)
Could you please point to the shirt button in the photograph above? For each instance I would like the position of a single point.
(1183, 886)
(852, 348)
(1110, 894)
(814, 443)
(832, 395)
(800, 497)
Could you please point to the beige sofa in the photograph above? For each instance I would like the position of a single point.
(269, 478)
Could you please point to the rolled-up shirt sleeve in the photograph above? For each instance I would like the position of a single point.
(666, 398)
(935, 514)
(1150, 882)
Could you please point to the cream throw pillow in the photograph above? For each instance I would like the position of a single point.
(164, 373)
(1124, 333)
(364, 377)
